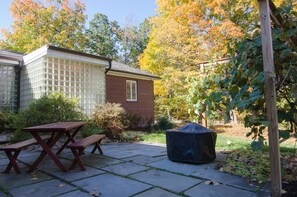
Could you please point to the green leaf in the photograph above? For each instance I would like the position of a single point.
(257, 145)
(249, 134)
(285, 134)
(264, 123)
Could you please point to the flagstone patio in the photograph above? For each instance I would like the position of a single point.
(125, 169)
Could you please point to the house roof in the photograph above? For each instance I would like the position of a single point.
(10, 55)
(115, 66)
(57, 52)
(77, 53)
(123, 68)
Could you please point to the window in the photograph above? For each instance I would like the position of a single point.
(131, 90)
(8, 88)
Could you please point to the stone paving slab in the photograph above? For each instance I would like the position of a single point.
(170, 181)
(44, 189)
(48, 165)
(225, 178)
(77, 174)
(4, 161)
(76, 193)
(111, 185)
(204, 171)
(120, 154)
(22, 166)
(183, 168)
(142, 160)
(133, 149)
(220, 190)
(13, 180)
(99, 161)
(156, 192)
(2, 194)
(125, 168)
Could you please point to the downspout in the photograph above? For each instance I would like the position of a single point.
(108, 69)
(109, 66)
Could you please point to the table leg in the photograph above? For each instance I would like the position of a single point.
(12, 161)
(77, 159)
(70, 139)
(47, 150)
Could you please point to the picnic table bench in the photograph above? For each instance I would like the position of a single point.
(16, 148)
(78, 148)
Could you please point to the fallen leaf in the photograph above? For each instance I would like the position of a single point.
(61, 185)
(94, 193)
(214, 183)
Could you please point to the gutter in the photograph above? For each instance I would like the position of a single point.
(109, 66)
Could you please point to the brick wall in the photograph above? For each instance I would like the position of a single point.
(116, 93)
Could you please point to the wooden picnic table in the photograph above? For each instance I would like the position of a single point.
(57, 130)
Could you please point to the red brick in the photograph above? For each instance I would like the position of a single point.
(116, 93)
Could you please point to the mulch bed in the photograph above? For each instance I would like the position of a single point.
(290, 188)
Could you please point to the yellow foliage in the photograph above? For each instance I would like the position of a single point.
(37, 23)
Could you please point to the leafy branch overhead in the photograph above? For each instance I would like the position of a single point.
(241, 86)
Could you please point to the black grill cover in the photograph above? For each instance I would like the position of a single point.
(191, 143)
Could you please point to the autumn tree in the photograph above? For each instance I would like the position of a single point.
(102, 36)
(133, 41)
(240, 85)
(187, 32)
(36, 23)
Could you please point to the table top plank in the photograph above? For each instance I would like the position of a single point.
(57, 126)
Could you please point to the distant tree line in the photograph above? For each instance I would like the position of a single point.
(63, 24)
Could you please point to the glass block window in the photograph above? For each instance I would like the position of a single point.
(75, 79)
(8, 88)
(32, 82)
(131, 90)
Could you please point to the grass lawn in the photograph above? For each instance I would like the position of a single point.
(224, 142)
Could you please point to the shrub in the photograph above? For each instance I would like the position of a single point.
(132, 121)
(47, 109)
(109, 117)
(19, 136)
(90, 130)
(6, 120)
(163, 123)
(137, 122)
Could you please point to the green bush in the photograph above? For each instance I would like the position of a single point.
(47, 109)
(90, 130)
(6, 120)
(19, 136)
(163, 123)
(109, 117)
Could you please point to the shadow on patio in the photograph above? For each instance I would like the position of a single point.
(125, 169)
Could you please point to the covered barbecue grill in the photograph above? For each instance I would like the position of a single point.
(191, 143)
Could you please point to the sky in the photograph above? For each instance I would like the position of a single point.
(118, 10)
